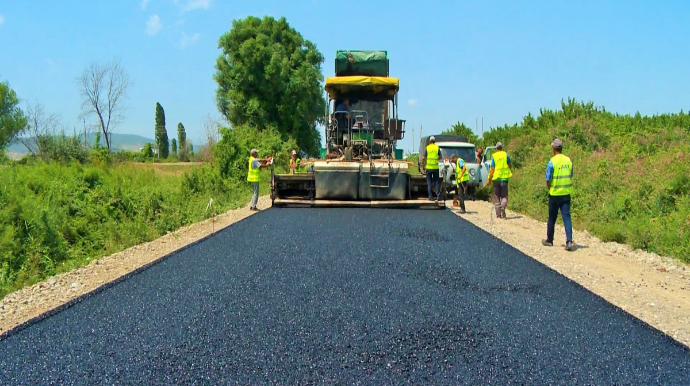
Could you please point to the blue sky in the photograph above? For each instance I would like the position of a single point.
(456, 60)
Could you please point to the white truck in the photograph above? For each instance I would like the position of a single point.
(457, 145)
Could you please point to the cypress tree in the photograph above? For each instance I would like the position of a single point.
(182, 141)
(161, 133)
(173, 146)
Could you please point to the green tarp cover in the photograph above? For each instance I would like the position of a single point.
(357, 62)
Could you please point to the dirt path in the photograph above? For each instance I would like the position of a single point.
(654, 289)
(29, 302)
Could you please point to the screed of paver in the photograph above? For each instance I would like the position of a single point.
(21, 306)
(653, 288)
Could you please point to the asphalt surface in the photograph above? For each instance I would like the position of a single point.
(344, 296)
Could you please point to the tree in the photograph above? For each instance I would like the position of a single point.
(460, 129)
(268, 75)
(161, 134)
(173, 146)
(97, 141)
(104, 89)
(39, 130)
(147, 151)
(212, 133)
(182, 141)
(12, 118)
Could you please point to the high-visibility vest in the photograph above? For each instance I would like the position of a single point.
(253, 174)
(431, 157)
(298, 167)
(562, 180)
(466, 176)
(501, 170)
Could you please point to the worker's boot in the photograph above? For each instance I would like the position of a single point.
(547, 243)
(569, 246)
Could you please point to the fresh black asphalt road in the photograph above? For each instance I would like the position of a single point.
(344, 296)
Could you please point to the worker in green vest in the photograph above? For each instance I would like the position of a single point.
(253, 176)
(559, 181)
(461, 178)
(499, 174)
(430, 167)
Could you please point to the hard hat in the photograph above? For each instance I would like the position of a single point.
(432, 138)
(294, 152)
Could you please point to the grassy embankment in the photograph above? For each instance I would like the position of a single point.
(632, 173)
(58, 216)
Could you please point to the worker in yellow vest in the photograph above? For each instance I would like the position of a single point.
(461, 178)
(559, 181)
(430, 167)
(499, 174)
(294, 163)
(253, 176)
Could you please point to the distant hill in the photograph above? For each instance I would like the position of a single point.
(130, 142)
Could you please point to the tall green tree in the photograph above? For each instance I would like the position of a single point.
(182, 141)
(173, 146)
(268, 75)
(161, 133)
(12, 118)
(461, 129)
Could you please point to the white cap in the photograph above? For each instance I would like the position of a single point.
(432, 138)
(294, 152)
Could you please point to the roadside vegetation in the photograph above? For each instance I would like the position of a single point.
(632, 179)
(66, 203)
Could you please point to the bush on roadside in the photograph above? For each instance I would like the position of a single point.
(631, 173)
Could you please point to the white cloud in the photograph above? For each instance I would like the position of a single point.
(191, 5)
(153, 25)
(2, 19)
(412, 102)
(188, 40)
(143, 3)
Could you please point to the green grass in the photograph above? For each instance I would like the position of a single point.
(632, 174)
(56, 217)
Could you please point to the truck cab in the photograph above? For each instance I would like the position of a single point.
(457, 145)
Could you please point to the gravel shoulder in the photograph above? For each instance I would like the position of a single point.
(21, 306)
(653, 288)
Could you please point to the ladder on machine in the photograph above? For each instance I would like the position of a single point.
(379, 178)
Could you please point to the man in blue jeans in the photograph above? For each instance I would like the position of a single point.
(430, 166)
(559, 180)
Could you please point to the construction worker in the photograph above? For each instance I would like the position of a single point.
(559, 180)
(430, 167)
(294, 163)
(499, 174)
(461, 178)
(253, 176)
